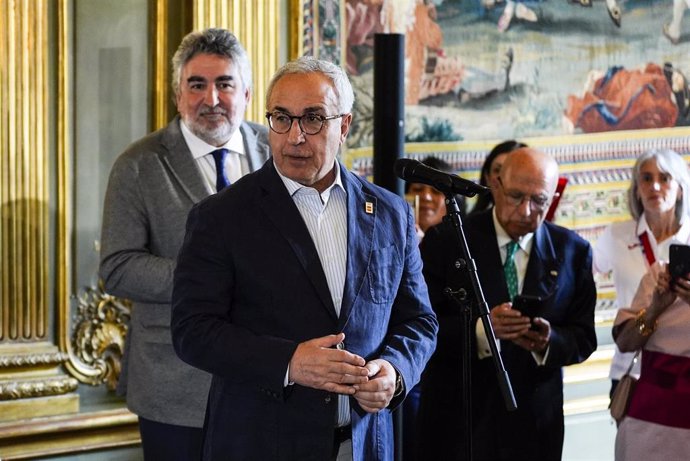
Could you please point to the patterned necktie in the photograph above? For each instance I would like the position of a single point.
(510, 270)
(222, 181)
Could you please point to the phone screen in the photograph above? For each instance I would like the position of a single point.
(679, 260)
(529, 306)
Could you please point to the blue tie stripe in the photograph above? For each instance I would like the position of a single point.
(222, 180)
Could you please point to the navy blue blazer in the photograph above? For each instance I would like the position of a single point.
(560, 271)
(249, 287)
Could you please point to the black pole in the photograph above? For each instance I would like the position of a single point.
(389, 109)
(462, 298)
(389, 139)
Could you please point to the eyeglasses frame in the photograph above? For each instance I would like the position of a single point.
(324, 119)
(534, 206)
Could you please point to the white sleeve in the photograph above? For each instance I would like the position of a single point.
(602, 257)
(483, 349)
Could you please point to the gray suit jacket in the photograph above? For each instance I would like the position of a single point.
(151, 189)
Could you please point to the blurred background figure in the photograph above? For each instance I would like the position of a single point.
(429, 211)
(657, 423)
(516, 251)
(490, 170)
(515, 9)
(431, 203)
(659, 218)
(672, 30)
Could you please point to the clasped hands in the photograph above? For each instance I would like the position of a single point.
(317, 363)
(510, 324)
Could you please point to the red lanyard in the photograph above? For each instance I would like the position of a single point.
(647, 248)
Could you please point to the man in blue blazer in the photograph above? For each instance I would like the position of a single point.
(549, 262)
(310, 311)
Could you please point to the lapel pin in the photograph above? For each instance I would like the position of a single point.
(369, 207)
(554, 273)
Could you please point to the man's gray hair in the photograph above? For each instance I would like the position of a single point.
(671, 163)
(308, 65)
(220, 42)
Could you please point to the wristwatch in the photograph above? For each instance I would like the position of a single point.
(641, 323)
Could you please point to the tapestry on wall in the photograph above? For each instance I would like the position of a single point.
(593, 82)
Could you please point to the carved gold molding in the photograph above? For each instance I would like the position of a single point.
(161, 63)
(44, 437)
(24, 153)
(91, 371)
(296, 29)
(64, 227)
(98, 340)
(32, 360)
(90, 360)
(38, 387)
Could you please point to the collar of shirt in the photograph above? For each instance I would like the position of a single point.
(502, 237)
(198, 147)
(642, 227)
(660, 249)
(293, 186)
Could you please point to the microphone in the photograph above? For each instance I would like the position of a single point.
(415, 171)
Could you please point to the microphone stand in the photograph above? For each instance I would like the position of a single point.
(460, 297)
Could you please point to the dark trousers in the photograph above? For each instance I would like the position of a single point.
(168, 442)
(410, 424)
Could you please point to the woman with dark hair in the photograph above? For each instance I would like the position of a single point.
(432, 202)
(490, 170)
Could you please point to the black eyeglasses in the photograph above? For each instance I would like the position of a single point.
(537, 203)
(310, 123)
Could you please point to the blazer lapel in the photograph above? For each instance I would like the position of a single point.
(489, 257)
(543, 266)
(361, 225)
(180, 163)
(282, 211)
(256, 152)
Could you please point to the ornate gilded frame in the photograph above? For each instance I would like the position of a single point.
(80, 334)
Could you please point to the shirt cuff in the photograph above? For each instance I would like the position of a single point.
(483, 349)
(541, 360)
(286, 381)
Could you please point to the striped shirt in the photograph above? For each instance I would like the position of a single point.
(325, 215)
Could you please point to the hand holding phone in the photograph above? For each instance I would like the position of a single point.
(529, 306)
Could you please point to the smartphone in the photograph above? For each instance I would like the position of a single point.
(529, 306)
(678, 260)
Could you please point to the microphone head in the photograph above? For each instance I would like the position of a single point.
(404, 167)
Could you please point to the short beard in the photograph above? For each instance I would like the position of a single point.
(214, 136)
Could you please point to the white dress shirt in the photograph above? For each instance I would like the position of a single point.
(236, 164)
(521, 259)
(619, 250)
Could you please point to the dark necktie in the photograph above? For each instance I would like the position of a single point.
(222, 181)
(510, 270)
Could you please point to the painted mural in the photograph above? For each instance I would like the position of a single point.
(593, 82)
(489, 69)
